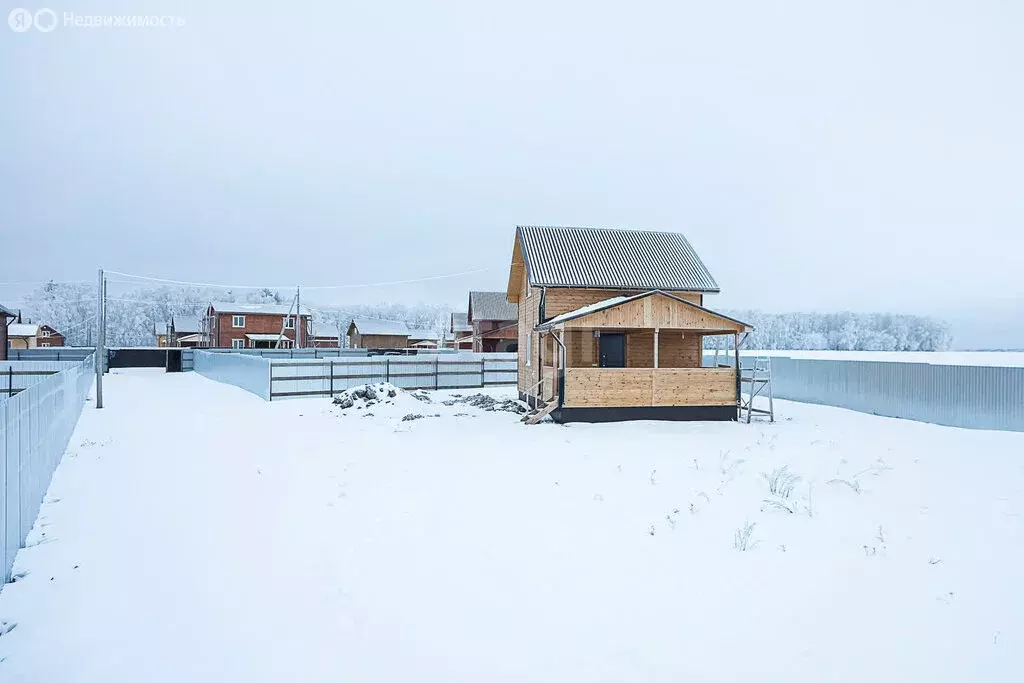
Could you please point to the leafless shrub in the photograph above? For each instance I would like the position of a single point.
(771, 503)
(854, 485)
(743, 539)
(781, 481)
(653, 481)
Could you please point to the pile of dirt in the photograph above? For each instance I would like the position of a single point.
(367, 395)
(490, 404)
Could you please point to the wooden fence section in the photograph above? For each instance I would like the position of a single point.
(328, 377)
(619, 387)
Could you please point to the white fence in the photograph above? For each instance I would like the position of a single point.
(251, 373)
(16, 376)
(35, 427)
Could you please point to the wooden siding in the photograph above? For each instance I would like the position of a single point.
(625, 387)
(655, 311)
(676, 349)
(559, 300)
(529, 307)
(379, 341)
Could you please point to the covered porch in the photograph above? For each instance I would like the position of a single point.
(637, 357)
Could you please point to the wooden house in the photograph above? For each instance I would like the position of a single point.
(183, 332)
(371, 333)
(494, 322)
(612, 323)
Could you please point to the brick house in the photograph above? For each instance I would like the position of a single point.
(32, 336)
(494, 322)
(462, 333)
(230, 325)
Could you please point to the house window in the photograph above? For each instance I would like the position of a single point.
(46, 333)
(289, 323)
(44, 344)
(529, 349)
(238, 343)
(238, 321)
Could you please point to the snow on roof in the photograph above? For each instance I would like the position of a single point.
(619, 300)
(22, 330)
(423, 334)
(182, 325)
(254, 309)
(491, 306)
(626, 259)
(460, 323)
(7, 313)
(381, 327)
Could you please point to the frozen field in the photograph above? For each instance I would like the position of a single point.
(194, 532)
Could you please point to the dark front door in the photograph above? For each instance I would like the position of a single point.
(613, 350)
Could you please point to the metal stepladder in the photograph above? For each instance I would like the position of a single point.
(755, 381)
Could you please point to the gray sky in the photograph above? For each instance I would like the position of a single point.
(819, 156)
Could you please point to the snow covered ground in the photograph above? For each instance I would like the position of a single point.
(195, 532)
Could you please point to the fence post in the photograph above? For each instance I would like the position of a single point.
(437, 369)
(10, 381)
(331, 362)
(387, 369)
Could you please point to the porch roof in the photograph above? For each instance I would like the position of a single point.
(264, 337)
(702, 318)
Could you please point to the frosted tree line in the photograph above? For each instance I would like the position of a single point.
(132, 317)
(842, 331)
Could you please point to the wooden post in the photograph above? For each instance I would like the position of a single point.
(736, 363)
(656, 330)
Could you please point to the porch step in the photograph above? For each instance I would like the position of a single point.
(539, 414)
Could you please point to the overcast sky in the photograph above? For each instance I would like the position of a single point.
(819, 155)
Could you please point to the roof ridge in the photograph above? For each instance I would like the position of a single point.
(599, 229)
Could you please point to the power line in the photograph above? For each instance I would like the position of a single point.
(220, 285)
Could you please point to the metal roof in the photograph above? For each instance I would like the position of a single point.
(491, 306)
(619, 300)
(383, 327)
(183, 325)
(7, 313)
(460, 323)
(613, 259)
(22, 330)
(265, 336)
(424, 334)
(254, 309)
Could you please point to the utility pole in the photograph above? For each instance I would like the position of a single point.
(298, 318)
(98, 352)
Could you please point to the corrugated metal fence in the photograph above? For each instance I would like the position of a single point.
(16, 376)
(972, 396)
(35, 427)
(285, 378)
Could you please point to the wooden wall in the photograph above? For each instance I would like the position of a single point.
(676, 349)
(379, 341)
(529, 307)
(559, 300)
(656, 311)
(625, 387)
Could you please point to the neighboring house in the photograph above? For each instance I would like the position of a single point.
(179, 332)
(322, 337)
(253, 326)
(32, 336)
(49, 336)
(6, 315)
(462, 333)
(611, 326)
(422, 338)
(494, 322)
(370, 333)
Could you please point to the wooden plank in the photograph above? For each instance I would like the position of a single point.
(654, 311)
(623, 387)
(564, 299)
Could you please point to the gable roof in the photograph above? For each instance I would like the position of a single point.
(612, 259)
(620, 300)
(51, 328)
(253, 309)
(460, 323)
(423, 334)
(379, 327)
(491, 306)
(7, 313)
(182, 325)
